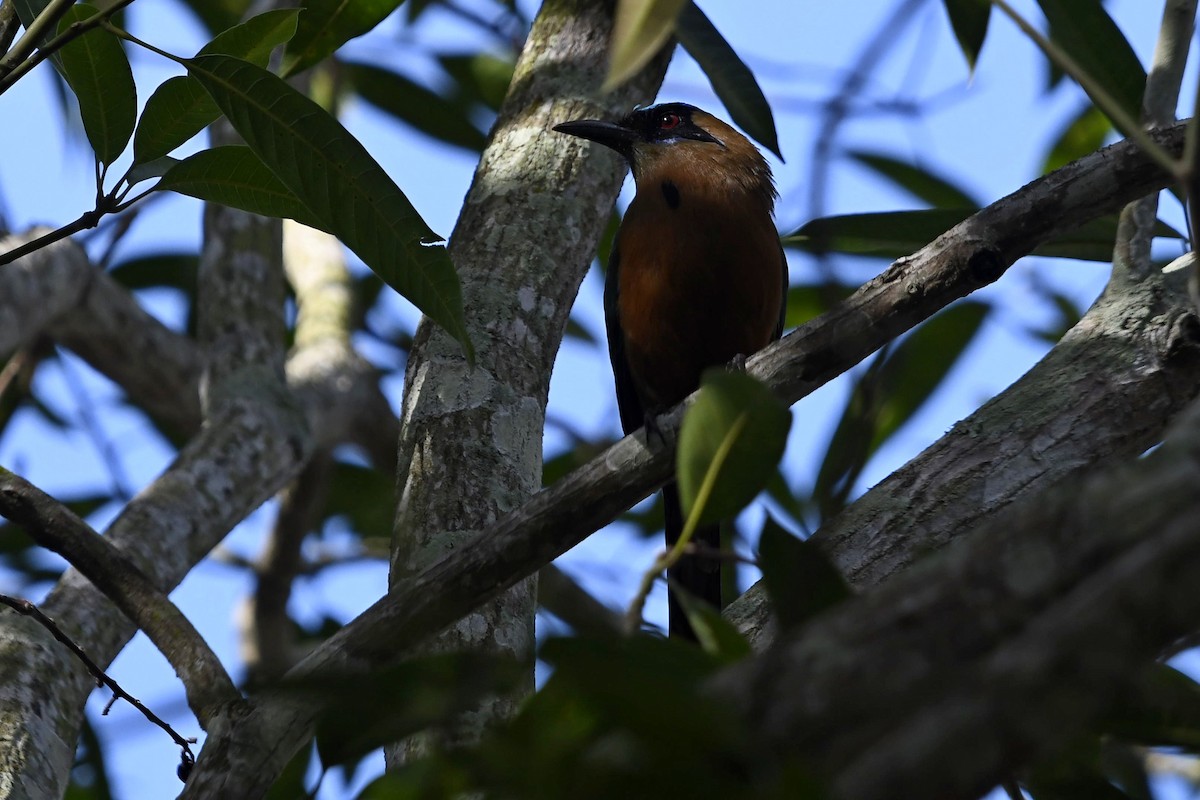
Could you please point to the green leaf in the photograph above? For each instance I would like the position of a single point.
(415, 105)
(731, 79)
(328, 24)
(889, 393)
(390, 704)
(28, 11)
(969, 19)
(174, 270)
(234, 176)
(217, 15)
(340, 183)
(1085, 133)
(732, 439)
(180, 108)
(807, 301)
(800, 579)
(640, 30)
(892, 234)
(97, 70)
(481, 77)
(1163, 711)
(364, 497)
(716, 635)
(933, 189)
(1086, 33)
(150, 169)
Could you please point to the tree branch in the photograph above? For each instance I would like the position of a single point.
(994, 652)
(53, 526)
(972, 254)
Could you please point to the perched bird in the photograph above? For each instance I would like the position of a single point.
(697, 278)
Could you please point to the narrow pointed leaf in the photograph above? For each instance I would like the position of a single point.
(416, 106)
(341, 184)
(736, 429)
(892, 234)
(716, 635)
(1084, 134)
(640, 30)
(969, 19)
(731, 79)
(180, 108)
(1089, 36)
(326, 25)
(889, 393)
(800, 579)
(234, 176)
(933, 189)
(97, 70)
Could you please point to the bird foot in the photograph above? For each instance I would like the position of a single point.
(653, 430)
(738, 362)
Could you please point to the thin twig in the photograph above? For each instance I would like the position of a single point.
(52, 525)
(28, 609)
(94, 428)
(11, 71)
(1100, 96)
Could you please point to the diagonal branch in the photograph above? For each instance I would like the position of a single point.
(998, 650)
(53, 526)
(971, 255)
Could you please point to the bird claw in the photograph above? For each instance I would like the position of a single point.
(738, 362)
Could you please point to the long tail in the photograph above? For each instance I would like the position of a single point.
(699, 576)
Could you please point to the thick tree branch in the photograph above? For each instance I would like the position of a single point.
(972, 254)
(470, 444)
(1017, 637)
(1107, 390)
(53, 526)
(57, 292)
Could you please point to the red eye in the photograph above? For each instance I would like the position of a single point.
(668, 121)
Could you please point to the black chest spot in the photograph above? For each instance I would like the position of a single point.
(671, 193)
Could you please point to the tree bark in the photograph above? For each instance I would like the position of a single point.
(470, 446)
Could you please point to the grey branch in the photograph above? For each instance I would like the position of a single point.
(969, 256)
(1017, 637)
(53, 526)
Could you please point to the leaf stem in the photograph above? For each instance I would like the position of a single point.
(668, 559)
(1100, 96)
(15, 65)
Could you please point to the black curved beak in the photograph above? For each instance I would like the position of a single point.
(609, 134)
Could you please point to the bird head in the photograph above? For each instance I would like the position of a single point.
(680, 139)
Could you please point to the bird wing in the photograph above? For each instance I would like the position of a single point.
(628, 402)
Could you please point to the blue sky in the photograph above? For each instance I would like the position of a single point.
(989, 132)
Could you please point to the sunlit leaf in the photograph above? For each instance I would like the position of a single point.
(731, 79)
(969, 19)
(640, 29)
(341, 184)
(97, 70)
(326, 25)
(736, 430)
